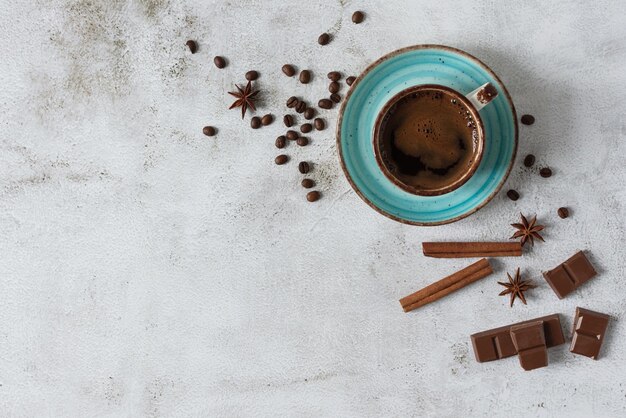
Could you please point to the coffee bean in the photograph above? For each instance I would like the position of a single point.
(334, 76)
(513, 195)
(545, 172)
(305, 128)
(219, 62)
(267, 119)
(528, 119)
(357, 17)
(529, 160)
(255, 122)
(281, 159)
(208, 130)
(192, 46)
(305, 76)
(319, 123)
(333, 87)
(280, 142)
(302, 141)
(309, 113)
(313, 196)
(304, 167)
(289, 70)
(308, 183)
(288, 121)
(252, 75)
(291, 135)
(350, 80)
(325, 104)
(292, 102)
(563, 213)
(323, 39)
(301, 107)
(335, 97)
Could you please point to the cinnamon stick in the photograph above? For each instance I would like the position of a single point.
(471, 249)
(447, 285)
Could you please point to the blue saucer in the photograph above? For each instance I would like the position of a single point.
(424, 64)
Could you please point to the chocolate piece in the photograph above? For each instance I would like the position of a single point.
(569, 275)
(530, 342)
(588, 334)
(495, 344)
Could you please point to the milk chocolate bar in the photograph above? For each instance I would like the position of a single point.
(530, 342)
(497, 343)
(569, 275)
(589, 330)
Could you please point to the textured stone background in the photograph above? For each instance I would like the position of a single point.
(147, 270)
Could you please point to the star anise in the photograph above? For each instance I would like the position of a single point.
(516, 287)
(528, 230)
(245, 98)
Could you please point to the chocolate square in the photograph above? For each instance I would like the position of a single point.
(569, 275)
(529, 340)
(589, 330)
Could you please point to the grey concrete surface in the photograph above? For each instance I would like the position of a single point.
(146, 270)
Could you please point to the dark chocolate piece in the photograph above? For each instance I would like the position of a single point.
(530, 342)
(497, 343)
(569, 275)
(589, 330)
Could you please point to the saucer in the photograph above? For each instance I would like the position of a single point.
(394, 72)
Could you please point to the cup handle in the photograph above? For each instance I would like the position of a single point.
(482, 96)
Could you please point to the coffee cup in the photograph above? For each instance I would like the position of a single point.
(429, 139)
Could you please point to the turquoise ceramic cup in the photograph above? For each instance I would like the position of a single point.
(401, 70)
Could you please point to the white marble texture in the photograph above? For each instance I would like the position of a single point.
(146, 270)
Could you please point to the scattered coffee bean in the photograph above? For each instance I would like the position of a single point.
(280, 142)
(288, 121)
(323, 39)
(545, 172)
(527, 119)
(252, 75)
(513, 195)
(192, 46)
(302, 141)
(335, 97)
(208, 130)
(309, 113)
(281, 159)
(305, 128)
(305, 76)
(357, 17)
(334, 76)
(304, 167)
(301, 107)
(308, 183)
(319, 123)
(255, 122)
(529, 160)
(350, 80)
(292, 102)
(288, 70)
(333, 87)
(325, 104)
(563, 213)
(219, 62)
(313, 196)
(267, 119)
(291, 135)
